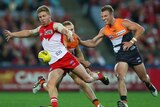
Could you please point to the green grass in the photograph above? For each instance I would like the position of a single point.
(76, 99)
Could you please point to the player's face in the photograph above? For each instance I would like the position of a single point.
(70, 27)
(106, 17)
(44, 18)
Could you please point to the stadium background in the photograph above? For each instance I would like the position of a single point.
(19, 66)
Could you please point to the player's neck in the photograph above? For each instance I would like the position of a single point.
(112, 22)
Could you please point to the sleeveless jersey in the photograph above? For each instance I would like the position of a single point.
(71, 45)
(117, 34)
(52, 41)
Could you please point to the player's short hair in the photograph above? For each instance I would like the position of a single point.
(65, 23)
(44, 8)
(107, 8)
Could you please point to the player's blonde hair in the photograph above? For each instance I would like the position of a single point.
(43, 8)
(65, 23)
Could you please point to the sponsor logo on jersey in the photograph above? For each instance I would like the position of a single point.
(58, 52)
(121, 32)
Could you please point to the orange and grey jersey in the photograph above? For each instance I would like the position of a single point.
(117, 34)
(71, 45)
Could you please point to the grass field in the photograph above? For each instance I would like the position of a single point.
(76, 99)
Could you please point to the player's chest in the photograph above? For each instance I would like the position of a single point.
(46, 33)
(114, 32)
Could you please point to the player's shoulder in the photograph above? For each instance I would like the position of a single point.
(57, 23)
(76, 37)
(126, 21)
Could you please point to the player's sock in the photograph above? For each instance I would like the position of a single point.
(44, 85)
(123, 98)
(152, 89)
(96, 102)
(149, 86)
(100, 76)
(54, 102)
(103, 78)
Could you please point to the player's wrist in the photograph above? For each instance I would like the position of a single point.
(12, 35)
(133, 40)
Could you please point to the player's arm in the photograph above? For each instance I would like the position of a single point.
(60, 28)
(20, 34)
(80, 57)
(93, 42)
(132, 26)
(79, 53)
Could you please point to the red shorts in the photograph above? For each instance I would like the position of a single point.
(67, 62)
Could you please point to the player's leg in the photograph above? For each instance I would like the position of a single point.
(82, 73)
(54, 77)
(86, 89)
(121, 69)
(105, 80)
(87, 64)
(142, 74)
(39, 84)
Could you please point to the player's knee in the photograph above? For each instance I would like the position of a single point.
(120, 77)
(50, 86)
(78, 81)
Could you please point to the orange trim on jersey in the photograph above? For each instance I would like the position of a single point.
(73, 44)
(116, 30)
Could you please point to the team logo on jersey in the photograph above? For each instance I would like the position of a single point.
(48, 32)
(110, 36)
(72, 62)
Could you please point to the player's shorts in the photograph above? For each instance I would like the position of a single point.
(67, 62)
(132, 56)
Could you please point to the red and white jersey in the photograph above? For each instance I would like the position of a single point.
(52, 41)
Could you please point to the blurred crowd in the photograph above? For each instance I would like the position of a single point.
(144, 12)
(17, 15)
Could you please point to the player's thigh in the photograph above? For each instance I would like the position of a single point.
(55, 76)
(76, 79)
(121, 69)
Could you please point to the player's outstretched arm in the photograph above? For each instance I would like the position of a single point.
(19, 34)
(93, 42)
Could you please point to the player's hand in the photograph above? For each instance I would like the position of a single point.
(70, 38)
(8, 34)
(85, 63)
(127, 45)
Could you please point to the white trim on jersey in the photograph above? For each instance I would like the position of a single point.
(36, 30)
(115, 42)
